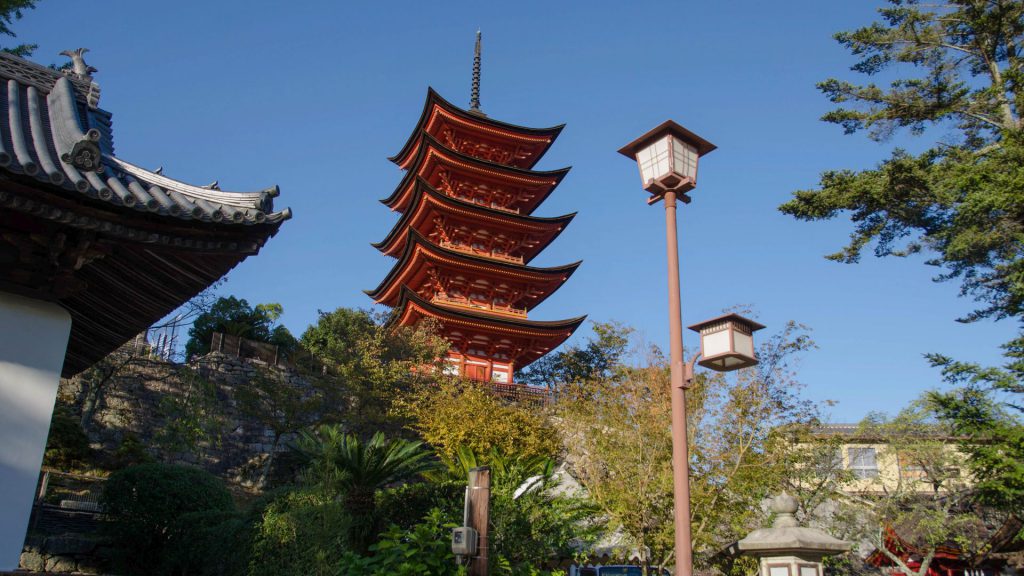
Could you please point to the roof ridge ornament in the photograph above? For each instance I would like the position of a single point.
(474, 98)
(78, 66)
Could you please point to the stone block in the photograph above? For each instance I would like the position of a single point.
(32, 561)
(62, 564)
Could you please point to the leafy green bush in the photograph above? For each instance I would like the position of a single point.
(143, 504)
(209, 543)
(407, 505)
(423, 549)
(300, 533)
(131, 452)
(67, 444)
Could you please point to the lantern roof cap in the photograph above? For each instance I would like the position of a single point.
(785, 537)
(732, 317)
(667, 127)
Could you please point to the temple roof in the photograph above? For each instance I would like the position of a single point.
(54, 134)
(435, 104)
(398, 199)
(416, 244)
(544, 335)
(117, 245)
(424, 193)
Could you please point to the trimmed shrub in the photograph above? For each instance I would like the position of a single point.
(209, 543)
(143, 504)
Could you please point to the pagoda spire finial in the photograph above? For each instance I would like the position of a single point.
(474, 99)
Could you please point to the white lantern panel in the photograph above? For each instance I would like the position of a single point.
(654, 160)
(715, 343)
(808, 570)
(499, 377)
(684, 158)
(743, 343)
(778, 571)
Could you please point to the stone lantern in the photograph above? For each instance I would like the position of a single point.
(787, 549)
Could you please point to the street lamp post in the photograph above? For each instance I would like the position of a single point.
(667, 157)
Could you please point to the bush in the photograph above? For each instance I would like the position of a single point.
(144, 503)
(407, 505)
(67, 444)
(301, 533)
(209, 543)
(131, 452)
(424, 549)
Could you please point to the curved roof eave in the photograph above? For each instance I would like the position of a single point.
(558, 175)
(52, 143)
(415, 239)
(423, 187)
(570, 324)
(433, 98)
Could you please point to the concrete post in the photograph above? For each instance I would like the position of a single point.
(33, 342)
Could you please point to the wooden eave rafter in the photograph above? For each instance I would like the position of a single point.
(427, 200)
(436, 108)
(546, 180)
(419, 251)
(538, 337)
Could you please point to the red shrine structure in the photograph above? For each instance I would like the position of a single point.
(466, 237)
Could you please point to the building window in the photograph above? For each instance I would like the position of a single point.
(910, 467)
(863, 463)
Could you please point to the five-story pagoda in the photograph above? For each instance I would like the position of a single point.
(467, 234)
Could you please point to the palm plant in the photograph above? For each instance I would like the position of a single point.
(344, 466)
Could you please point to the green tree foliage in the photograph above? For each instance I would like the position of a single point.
(577, 364)
(537, 521)
(985, 409)
(344, 465)
(143, 503)
(961, 201)
(11, 10)
(452, 414)
(957, 67)
(67, 445)
(425, 548)
(301, 533)
(236, 317)
(619, 445)
(372, 363)
(920, 490)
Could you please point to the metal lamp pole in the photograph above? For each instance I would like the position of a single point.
(680, 449)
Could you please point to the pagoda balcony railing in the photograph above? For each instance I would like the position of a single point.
(489, 254)
(519, 392)
(488, 307)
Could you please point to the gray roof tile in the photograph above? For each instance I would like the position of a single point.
(54, 132)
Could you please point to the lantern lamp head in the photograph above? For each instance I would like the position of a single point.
(727, 342)
(667, 157)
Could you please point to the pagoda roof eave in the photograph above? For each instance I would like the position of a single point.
(416, 239)
(424, 189)
(540, 326)
(433, 98)
(432, 143)
(554, 332)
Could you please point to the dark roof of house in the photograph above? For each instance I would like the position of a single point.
(118, 246)
(54, 132)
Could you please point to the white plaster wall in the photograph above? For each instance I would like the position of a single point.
(33, 341)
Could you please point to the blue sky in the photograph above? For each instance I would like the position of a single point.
(314, 96)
